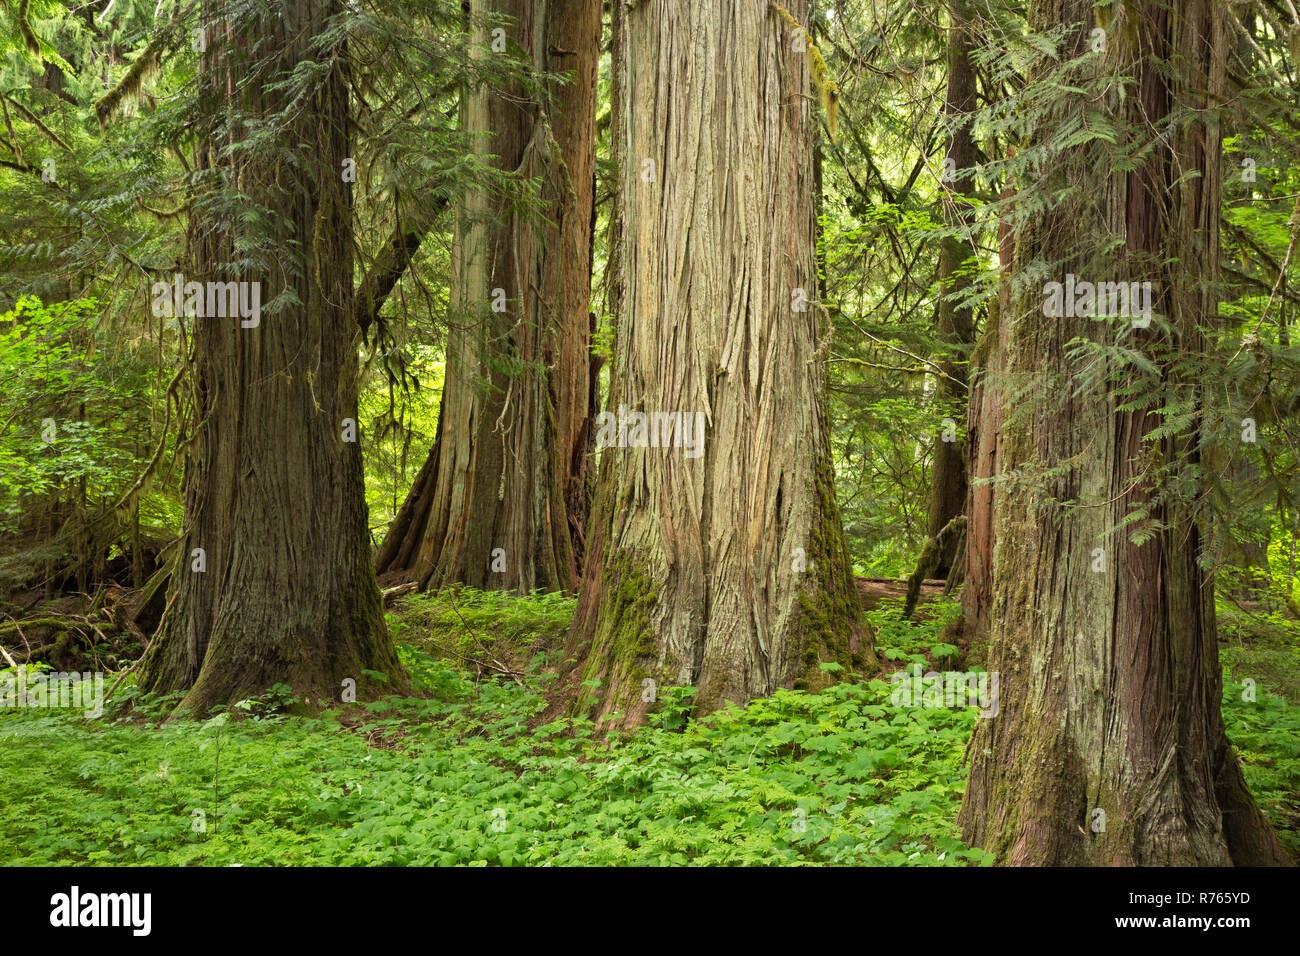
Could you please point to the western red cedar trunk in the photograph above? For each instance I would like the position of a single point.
(274, 495)
(983, 428)
(1109, 747)
(573, 33)
(727, 571)
(954, 324)
(502, 500)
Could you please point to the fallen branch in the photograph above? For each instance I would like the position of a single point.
(392, 594)
(15, 625)
(496, 664)
(929, 561)
(122, 676)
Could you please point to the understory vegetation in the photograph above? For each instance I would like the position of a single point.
(459, 771)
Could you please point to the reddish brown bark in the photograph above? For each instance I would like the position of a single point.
(1109, 747)
(284, 591)
(954, 322)
(503, 499)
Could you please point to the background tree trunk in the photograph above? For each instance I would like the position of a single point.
(727, 572)
(954, 322)
(508, 469)
(274, 496)
(1110, 681)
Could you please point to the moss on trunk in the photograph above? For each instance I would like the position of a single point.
(725, 570)
(272, 581)
(1108, 747)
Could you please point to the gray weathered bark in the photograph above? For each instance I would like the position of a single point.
(727, 571)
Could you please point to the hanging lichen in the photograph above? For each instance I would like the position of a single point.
(145, 65)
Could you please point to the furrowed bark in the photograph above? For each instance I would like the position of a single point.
(954, 323)
(502, 501)
(728, 571)
(1109, 747)
(274, 496)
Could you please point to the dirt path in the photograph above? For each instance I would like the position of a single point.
(874, 590)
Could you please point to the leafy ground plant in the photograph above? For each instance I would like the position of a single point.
(460, 773)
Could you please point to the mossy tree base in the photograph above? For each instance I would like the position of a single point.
(1109, 746)
(724, 570)
(273, 581)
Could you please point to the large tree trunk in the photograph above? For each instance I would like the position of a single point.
(274, 495)
(1109, 747)
(727, 571)
(953, 321)
(502, 500)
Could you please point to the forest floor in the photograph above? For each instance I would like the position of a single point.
(874, 591)
(458, 772)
